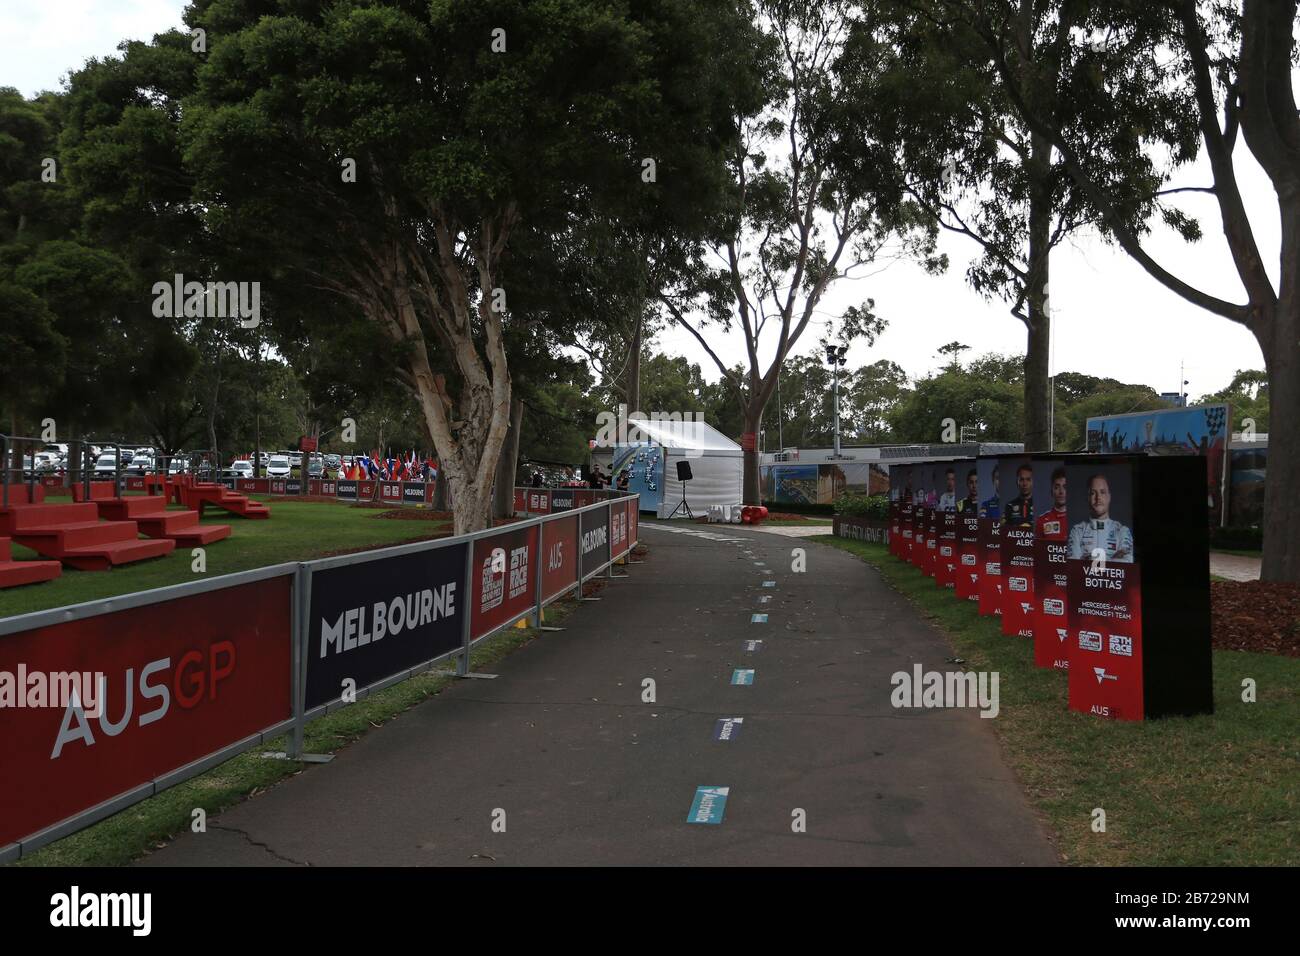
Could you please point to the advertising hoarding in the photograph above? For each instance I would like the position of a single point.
(1200, 430)
(372, 619)
(1138, 587)
(504, 573)
(1051, 527)
(560, 551)
(989, 472)
(593, 540)
(1017, 547)
(182, 679)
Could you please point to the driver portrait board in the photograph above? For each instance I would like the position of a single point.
(1137, 581)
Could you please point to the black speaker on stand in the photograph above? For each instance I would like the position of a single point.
(683, 475)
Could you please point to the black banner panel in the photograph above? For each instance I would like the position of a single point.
(562, 499)
(373, 619)
(593, 538)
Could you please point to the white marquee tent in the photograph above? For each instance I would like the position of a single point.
(717, 464)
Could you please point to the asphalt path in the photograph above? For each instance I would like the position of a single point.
(560, 761)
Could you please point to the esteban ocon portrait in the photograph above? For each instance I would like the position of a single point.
(971, 503)
(1100, 531)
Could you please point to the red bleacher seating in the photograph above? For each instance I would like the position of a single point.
(73, 533)
(151, 514)
(200, 493)
(14, 573)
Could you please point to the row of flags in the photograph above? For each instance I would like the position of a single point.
(372, 466)
(410, 468)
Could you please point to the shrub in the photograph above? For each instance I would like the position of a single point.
(857, 505)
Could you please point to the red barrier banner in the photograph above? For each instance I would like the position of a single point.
(930, 559)
(895, 532)
(945, 562)
(1105, 639)
(366, 490)
(182, 679)
(1051, 527)
(968, 556)
(390, 491)
(990, 556)
(261, 486)
(634, 513)
(321, 486)
(503, 579)
(583, 497)
(618, 545)
(51, 481)
(521, 501)
(1017, 580)
(539, 502)
(560, 552)
(133, 483)
(1051, 597)
(907, 527)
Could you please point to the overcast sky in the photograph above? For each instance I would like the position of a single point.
(1110, 318)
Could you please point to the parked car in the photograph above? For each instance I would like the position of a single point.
(277, 467)
(107, 464)
(242, 469)
(315, 469)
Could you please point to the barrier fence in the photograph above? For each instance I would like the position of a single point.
(543, 501)
(197, 673)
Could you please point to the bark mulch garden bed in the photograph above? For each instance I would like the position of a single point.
(1258, 616)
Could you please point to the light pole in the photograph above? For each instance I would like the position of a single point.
(835, 359)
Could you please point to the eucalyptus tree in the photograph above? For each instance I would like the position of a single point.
(811, 203)
(1150, 86)
(389, 151)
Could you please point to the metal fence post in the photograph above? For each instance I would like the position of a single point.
(298, 634)
(537, 575)
(462, 662)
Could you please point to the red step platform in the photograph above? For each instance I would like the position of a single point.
(200, 493)
(74, 534)
(14, 573)
(151, 514)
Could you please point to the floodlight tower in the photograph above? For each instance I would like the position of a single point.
(835, 358)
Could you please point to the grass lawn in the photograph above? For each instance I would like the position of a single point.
(296, 531)
(140, 828)
(1221, 790)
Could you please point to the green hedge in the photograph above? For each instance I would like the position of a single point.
(1237, 539)
(863, 506)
